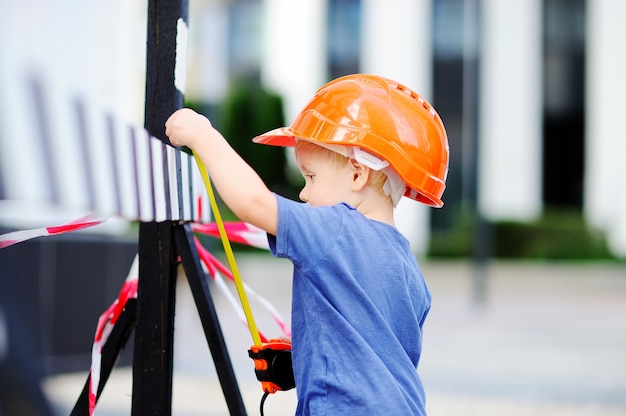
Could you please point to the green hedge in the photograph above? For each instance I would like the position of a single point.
(559, 234)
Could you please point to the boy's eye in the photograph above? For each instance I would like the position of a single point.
(309, 177)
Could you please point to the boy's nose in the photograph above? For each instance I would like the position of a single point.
(303, 195)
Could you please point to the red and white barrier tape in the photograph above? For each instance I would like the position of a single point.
(106, 322)
(15, 237)
(216, 269)
(237, 232)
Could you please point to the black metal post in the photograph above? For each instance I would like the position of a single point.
(208, 317)
(154, 329)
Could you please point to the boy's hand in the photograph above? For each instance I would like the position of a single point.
(187, 128)
(253, 203)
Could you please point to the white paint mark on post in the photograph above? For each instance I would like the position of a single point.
(180, 71)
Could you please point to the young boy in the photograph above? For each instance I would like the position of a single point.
(359, 299)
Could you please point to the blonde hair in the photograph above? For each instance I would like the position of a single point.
(376, 179)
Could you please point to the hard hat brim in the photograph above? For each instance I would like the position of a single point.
(282, 136)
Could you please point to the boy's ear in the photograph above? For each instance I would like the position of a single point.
(360, 175)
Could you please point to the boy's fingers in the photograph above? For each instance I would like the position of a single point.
(171, 122)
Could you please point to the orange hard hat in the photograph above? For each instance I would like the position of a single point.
(381, 117)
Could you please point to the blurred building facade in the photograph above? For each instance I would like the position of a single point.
(530, 90)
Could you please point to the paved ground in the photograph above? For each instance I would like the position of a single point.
(549, 339)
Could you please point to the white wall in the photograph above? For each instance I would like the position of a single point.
(92, 50)
(293, 60)
(605, 151)
(510, 124)
(208, 70)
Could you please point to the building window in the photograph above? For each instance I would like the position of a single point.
(563, 98)
(344, 28)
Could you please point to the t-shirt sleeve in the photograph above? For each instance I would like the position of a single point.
(304, 233)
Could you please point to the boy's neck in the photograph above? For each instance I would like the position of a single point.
(385, 217)
(378, 207)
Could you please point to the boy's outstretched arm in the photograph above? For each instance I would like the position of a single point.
(239, 186)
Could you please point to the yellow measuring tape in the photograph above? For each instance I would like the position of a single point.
(256, 338)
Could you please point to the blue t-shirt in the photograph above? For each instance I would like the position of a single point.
(358, 304)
